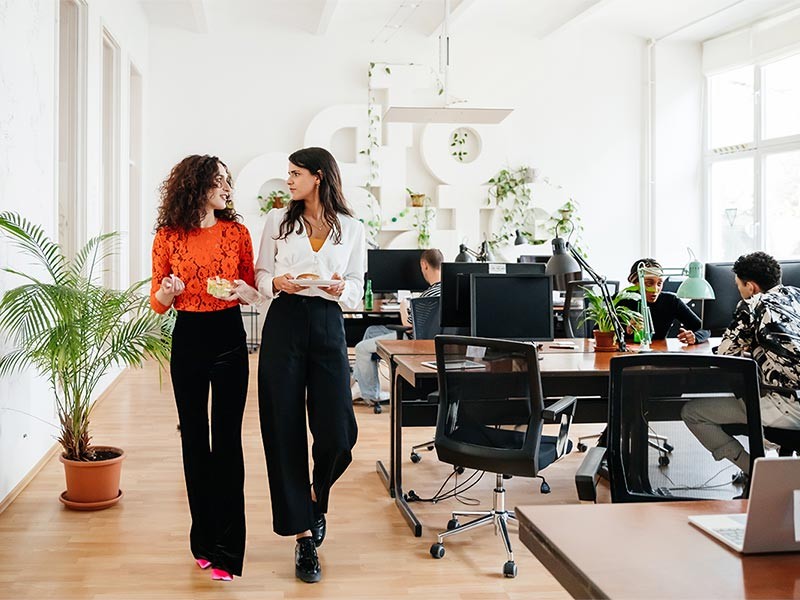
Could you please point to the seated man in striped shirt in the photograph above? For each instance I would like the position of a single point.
(365, 371)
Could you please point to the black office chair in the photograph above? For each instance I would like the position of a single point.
(426, 320)
(647, 390)
(483, 385)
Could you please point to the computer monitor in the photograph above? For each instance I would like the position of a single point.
(514, 307)
(717, 313)
(392, 270)
(455, 286)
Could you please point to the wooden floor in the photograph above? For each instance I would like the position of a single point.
(139, 548)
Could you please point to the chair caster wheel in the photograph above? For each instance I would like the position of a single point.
(452, 524)
(429, 448)
(738, 478)
(663, 461)
(510, 569)
(545, 489)
(505, 476)
(581, 447)
(459, 470)
(668, 447)
(437, 551)
(377, 409)
(415, 458)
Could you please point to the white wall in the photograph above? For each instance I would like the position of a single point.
(28, 89)
(678, 193)
(238, 94)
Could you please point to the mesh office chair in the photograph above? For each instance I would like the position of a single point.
(483, 385)
(647, 392)
(426, 320)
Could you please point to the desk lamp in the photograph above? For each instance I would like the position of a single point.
(694, 287)
(466, 254)
(567, 259)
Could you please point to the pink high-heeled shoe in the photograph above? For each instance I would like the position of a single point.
(220, 575)
(202, 563)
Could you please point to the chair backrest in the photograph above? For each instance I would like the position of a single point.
(575, 290)
(426, 317)
(486, 383)
(646, 395)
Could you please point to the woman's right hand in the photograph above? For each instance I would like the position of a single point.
(283, 284)
(172, 286)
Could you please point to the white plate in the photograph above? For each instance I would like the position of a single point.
(315, 282)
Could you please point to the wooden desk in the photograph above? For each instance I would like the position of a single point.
(579, 372)
(649, 550)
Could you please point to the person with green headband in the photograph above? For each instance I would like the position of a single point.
(665, 307)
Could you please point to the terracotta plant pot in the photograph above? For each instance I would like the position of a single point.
(604, 341)
(93, 485)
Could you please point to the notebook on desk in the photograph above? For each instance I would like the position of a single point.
(772, 521)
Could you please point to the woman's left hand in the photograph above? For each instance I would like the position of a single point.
(337, 288)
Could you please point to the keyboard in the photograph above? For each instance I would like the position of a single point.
(735, 535)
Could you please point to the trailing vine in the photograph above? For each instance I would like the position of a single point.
(374, 123)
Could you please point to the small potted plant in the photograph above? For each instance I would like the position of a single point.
(275, 199)
(64, 324)
(417, 200)
(597, 311)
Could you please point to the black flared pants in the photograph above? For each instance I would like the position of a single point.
(303, 369)
(208, 350)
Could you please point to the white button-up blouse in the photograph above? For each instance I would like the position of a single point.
(295, 255)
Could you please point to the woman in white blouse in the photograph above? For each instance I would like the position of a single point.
(303, 363)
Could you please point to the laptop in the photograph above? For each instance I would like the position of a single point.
(772, 521)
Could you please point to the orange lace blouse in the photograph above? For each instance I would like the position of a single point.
(224, 250)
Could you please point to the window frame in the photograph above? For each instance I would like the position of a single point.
(759, 149)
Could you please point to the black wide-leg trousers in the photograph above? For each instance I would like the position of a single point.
(303, 368)
(209, 350)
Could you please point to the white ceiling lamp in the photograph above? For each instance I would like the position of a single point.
(446, 113)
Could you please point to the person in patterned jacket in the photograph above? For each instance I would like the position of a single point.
(766, 327)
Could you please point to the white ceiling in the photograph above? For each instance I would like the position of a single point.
(379, 20)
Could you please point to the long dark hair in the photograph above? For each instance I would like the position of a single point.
(184, 193)
(320, 162)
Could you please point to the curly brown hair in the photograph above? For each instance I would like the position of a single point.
(184, 193)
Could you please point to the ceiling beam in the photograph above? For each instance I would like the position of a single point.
(573, 17)
(455, 15)
(325, 16)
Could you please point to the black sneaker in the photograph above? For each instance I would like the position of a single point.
(306, 561)
(318, 530)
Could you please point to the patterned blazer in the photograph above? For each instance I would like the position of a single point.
(767, 327)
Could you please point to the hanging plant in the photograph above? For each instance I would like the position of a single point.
(565, 222)
(510, 189)
(458, 143)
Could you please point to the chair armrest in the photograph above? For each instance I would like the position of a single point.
(400, 330)
(588, 473)
(554, 410)
(794, 394)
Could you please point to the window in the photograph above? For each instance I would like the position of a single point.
(753, 160)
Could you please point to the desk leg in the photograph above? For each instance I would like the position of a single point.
(387, 476)
(397, 461)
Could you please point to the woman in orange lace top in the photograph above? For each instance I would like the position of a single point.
(199, 239)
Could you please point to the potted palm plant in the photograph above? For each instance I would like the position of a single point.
(64, 324)
(597, 311)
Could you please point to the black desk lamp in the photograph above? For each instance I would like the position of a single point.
(568, 260)
(466, 254)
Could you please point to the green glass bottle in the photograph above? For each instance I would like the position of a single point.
(368, 299)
